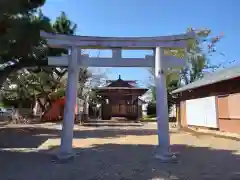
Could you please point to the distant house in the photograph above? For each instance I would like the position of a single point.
(212, 102)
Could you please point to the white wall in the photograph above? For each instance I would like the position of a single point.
(202, 112)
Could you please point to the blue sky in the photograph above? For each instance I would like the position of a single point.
(152, 18)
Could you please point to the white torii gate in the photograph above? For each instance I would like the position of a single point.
(76, 60)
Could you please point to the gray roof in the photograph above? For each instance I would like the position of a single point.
(212, 78)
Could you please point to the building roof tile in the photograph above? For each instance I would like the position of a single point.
(212, 78)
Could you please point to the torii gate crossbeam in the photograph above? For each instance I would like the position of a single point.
(93, 42)
(76, 60)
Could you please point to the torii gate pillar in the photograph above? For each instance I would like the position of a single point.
(163, 152)
(69, 108)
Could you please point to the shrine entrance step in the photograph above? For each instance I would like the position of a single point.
(110, 123)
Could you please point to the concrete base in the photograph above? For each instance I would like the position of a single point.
(63, 157)
(167, 157)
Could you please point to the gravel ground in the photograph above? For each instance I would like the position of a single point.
(115, 153)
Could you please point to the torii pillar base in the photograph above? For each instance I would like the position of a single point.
(167, 157)
(63, 157)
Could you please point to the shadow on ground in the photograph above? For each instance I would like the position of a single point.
(93, 124)
(122, 162)
(199, 134)
(32, 137)
(110, 161)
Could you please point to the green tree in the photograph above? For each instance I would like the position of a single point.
(20, 42)
(44, 82)
(64, 25)
(48, 82)
(197, 56)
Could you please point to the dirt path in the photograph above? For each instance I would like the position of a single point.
(116, 153)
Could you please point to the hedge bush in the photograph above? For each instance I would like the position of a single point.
(151, 109)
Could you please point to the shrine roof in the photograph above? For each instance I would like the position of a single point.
(122, 83)
(119, 84)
